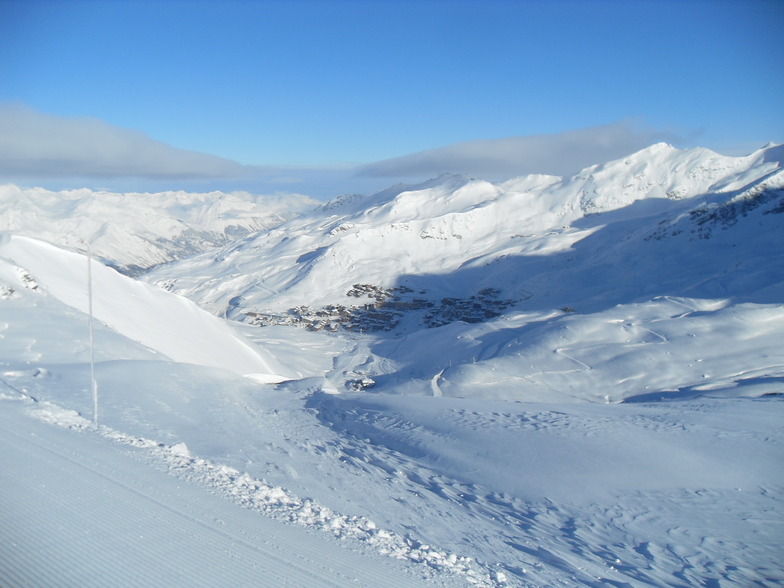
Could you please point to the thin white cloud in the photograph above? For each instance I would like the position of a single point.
(557, 154)
(60, 152)
(38, 145)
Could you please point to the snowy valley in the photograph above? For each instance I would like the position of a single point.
(550, 381)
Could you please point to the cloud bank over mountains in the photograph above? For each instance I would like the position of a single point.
(71, 152)
(35, 144)
(555, 154)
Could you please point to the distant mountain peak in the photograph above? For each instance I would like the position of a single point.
(446, 240)
(135, 231)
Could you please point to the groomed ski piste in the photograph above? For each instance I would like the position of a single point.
(632, 440)
(80, 510)
(83, 509)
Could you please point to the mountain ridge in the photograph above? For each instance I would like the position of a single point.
(555, 264)
(136, 231)
(450, 223)
(554, 386)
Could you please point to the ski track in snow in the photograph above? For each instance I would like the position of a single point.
(240, 488)
(78, 512)
(647, 537)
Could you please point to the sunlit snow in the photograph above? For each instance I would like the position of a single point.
(550, 381)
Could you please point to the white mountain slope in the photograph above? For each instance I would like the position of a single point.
(88, 507)
(643, 249)
(135, 231)
(537, 494)
(512, 445)
(449, 231)
(163, 322)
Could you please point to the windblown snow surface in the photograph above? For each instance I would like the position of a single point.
(546, 382)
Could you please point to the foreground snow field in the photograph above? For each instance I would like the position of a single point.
(603, 509)
(610, 415)
(79, 510)
(667, 493)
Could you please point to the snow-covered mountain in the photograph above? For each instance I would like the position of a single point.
(550, 381)
(535, 289)
(135, 231)
(455, 236)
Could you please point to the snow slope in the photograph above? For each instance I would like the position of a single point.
(595, 398)
(665, 348)
(135, 231)
(159, 404)
(453, 236)
(535, 493)
(630, 280)
(77, 509)
(169, 324)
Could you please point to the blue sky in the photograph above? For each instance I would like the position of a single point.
(312, 95)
